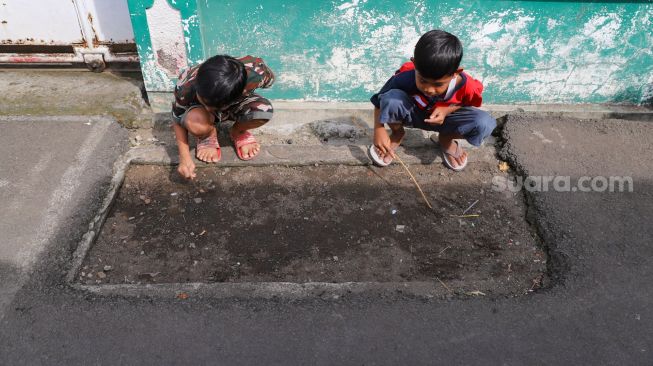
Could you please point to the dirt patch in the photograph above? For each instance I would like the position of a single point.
(317, 224)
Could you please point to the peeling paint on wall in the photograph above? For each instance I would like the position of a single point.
(533, 52)
(166, 34)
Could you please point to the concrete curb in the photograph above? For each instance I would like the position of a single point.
(66, 118)
(119, 169)
(270, 290)
(291, 155)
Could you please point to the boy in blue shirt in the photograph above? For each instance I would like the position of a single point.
(431, 93)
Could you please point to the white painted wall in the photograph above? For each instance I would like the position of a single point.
(39, 22)
(55, 22)
(111, 20)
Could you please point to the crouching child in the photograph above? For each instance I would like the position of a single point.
(431, 92)
(220, 88)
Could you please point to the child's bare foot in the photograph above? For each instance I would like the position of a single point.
(455, 155)
(208, 149)
(395, 140)
(246, 145)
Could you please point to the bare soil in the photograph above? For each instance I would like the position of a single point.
(317, 224)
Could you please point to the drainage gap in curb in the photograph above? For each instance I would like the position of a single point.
(329, 224)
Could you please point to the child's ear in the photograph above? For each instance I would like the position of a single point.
(460, 69)
(412, 59)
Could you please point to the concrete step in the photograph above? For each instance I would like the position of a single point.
(70, 92)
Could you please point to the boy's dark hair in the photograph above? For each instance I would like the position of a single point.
(437, 54)
(220, 80)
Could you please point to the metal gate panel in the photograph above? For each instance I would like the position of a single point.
(66, 31)
(40, 22)
(110, 20)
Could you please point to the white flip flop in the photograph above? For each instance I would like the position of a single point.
(456, 155)
(376, 158)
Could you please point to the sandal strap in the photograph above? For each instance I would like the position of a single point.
(209, 142)
(244, 139)
(456, 154)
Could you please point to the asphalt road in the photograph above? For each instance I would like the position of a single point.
(597, 311)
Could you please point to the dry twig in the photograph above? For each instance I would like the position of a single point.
(469, 208)
(445, 286)
(414, 180)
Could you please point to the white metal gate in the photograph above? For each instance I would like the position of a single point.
(66, 31)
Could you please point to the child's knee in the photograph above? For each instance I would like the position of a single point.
(395, 106)
(394, 99)
(474, 125)
(485, 124)
(198, 121)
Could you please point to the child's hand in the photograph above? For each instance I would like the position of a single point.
(438, 115)
(186, 169)
(382, 142)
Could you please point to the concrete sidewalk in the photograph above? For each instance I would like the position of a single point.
(57, 168)
(52, 170)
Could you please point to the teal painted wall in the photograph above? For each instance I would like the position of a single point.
(523, 51)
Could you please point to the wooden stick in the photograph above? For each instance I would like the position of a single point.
(445, 286)
(469, 208)
(414, 180)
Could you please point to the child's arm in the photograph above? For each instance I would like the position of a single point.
(259, 74)
(186, 166)
(268, 76)
(381, 138)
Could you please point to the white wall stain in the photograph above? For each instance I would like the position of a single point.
(497, 52)
(155, 78)
(167, 36)
(569, 69)
(602, 30)
(361, 62)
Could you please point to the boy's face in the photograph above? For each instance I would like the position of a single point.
(434, 87)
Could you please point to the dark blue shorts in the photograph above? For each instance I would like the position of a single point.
(472, 123)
